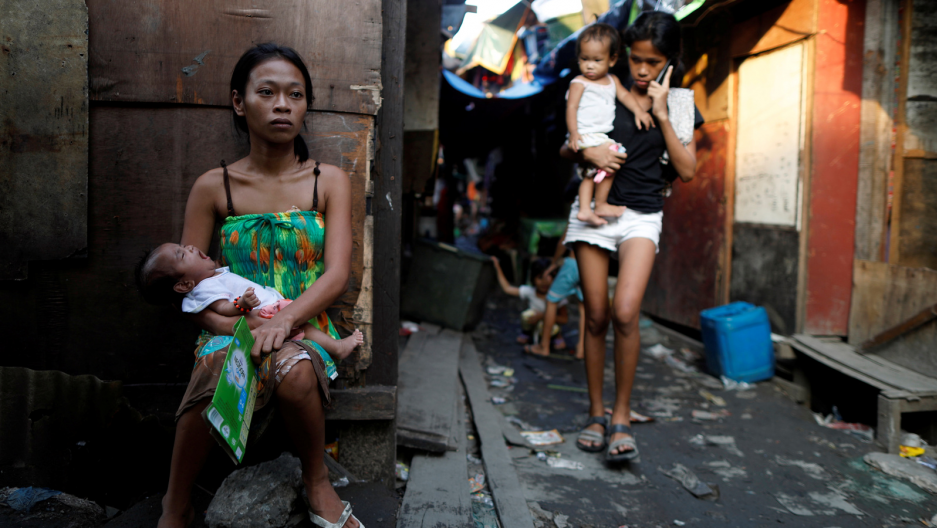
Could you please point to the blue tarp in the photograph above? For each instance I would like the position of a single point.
(552, 68)
(556, 64)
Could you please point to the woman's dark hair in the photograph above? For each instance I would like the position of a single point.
(253, 58)
(600, 33)
(663, 30)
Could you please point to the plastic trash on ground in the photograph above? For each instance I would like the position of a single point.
(691, 482)
(910, 452)
(679, 364)
(25, 498)
(402, 471)
(708, 416)
(562, 463)
(408, 327)
(477, 483)
(340, 483)
(729, 384)
(659, 351)
(332, 450)
(500, 370)
(859, 430)
(497, 400)
(542, 438)
(712, 398)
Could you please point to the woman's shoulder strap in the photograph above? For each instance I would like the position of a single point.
(227, 188)
(315, 188)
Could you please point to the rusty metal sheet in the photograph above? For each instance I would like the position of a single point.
(144, 161)
(689, 267)
(43, 132)
(184, 52)
(834, 167)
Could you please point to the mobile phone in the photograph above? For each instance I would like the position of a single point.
(660, 76)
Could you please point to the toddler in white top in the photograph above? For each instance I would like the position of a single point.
(590, 114)
(172, 270)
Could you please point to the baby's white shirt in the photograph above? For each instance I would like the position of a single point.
(596, 112)
(227, 286)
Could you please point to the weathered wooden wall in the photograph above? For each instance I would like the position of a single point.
(886, 296)
(914, 224)
(143, 163)
(43, 132)
(876, 122)
(183, 52)
(158, 119)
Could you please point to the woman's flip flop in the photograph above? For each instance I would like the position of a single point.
(592, 437)
(319, 521)
(629, 441)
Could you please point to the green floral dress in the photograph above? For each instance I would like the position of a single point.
(280, 250)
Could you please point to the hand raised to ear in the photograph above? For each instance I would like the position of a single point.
(658, 93)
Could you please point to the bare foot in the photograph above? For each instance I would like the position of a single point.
(536, 350)
(589, 217)
(580, 351)
(326, 504)
(609, 210)
(176, 520)
(347, 345)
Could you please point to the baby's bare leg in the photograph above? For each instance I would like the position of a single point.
(586, 214)
(339, 349)
(602, 207)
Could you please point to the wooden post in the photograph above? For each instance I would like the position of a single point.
(901, 127)
(387, 198)
(369, 447)
(888, 429)
(723, 294)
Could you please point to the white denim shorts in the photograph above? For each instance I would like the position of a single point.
(632, 224)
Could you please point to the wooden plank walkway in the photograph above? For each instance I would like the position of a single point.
(438, 493)
(871, 369)
(902, 390)
(428, 371)
(502, 478)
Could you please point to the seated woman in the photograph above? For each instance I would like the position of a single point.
(272, 206)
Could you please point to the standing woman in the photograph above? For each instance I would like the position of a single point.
(273, 206)
(632, 238)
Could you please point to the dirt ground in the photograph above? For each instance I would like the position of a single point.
(769, 459)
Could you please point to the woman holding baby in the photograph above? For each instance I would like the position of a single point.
(286, 224)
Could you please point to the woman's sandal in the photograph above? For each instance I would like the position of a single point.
(591, 436)
(319, 521)
(631, 454)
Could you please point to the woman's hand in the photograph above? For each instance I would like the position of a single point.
(269, 336)
(604, 158)
(658, 93)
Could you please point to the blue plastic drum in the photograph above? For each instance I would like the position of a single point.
(738, 342)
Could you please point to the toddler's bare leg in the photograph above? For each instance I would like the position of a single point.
(586, 214)
(339, 349)
(602, 207)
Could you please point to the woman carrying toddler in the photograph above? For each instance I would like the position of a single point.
(590, 114)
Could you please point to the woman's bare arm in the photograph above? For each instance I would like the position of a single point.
(682, 157)
(601, 156)
(572, 108)
(335, 187)
(200, 214)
